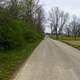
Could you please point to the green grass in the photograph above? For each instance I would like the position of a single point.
(18, 38)
(65, 38)
(11, 60)
(69, 40)
(72, 43)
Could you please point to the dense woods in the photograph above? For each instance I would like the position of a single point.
(21, 30)
(20, 22)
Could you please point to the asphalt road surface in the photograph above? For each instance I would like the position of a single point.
(51, 60)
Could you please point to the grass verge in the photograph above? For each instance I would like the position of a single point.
(11, 60)
(69, 40)
(72, 43)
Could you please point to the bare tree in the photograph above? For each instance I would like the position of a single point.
(64, 17)
(51, 27)
(68, 30)
(30, 7)
(74, 24)
(40, 18)
(13, 7)
(78, 30)
(58, 20)
(54, 18)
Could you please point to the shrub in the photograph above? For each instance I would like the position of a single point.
(31, 36)
(11, 32)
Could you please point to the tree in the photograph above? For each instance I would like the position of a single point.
(13, 8)
(78, 30)
(40, 18)
(63, 20)
(30, 7)
(54, 18)
(67, 30)
(51, 27)
(58, 20)
(74, 24)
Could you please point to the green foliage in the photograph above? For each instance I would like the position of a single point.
(11, 60)
(15, 32)
(17, 40)
(31, 36)
(11, 33)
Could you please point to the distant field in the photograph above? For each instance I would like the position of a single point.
(69, 38)
(65, 38)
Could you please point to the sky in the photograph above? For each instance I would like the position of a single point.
(70, 6)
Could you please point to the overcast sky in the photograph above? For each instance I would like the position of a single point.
(70, 6)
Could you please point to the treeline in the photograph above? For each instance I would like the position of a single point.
(21, 21)
(62, 24)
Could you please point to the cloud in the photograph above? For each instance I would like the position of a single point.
(71, 6)
(2, 0)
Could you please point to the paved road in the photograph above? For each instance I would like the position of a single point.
(52, 60)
